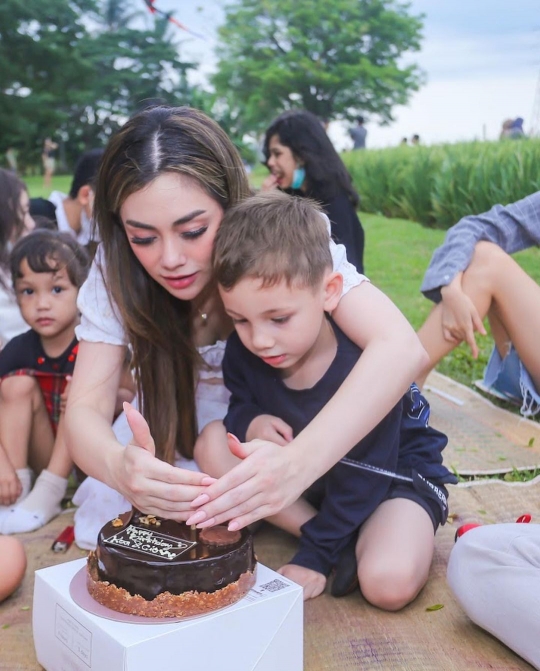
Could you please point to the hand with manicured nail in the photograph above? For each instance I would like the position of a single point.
(151, 485)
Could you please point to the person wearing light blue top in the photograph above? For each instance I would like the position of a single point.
(471, 276)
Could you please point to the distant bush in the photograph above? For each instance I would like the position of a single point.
(438, 185)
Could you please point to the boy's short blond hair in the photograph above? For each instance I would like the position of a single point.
(274, 237)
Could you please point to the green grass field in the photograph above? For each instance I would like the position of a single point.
(397, 254)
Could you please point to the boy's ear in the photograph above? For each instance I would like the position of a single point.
(333, 288)
(83, 194)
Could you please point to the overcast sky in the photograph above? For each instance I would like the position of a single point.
(481, 58)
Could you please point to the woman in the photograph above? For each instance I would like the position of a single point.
(165, 181)
(15, 221)
(303, 161)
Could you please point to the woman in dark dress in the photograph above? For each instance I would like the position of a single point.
(303, 161)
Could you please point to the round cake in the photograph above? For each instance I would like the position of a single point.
(146, 565)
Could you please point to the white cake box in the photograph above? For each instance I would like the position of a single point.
(261, 632)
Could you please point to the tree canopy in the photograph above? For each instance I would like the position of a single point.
(337, 58)
(76, 69)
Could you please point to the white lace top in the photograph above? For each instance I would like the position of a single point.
(100, 322)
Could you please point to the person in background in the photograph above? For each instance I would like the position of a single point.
(471, 276)
(48, 157)
(165, 182)
(302, 161)
(404, 142)
(358, 134)
(415, 140)
(11, 159)
(73, 212)
(15, 221)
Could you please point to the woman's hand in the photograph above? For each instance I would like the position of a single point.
(270, 428)
(150, 484)
(267, 480)
(270, 183)
(460, 318)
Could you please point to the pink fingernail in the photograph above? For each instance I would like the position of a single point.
(233, 526)
(208, 480)
(207, 523)
(197, 517)
(233, 437)
(200, 500)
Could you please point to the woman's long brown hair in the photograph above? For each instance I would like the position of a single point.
(161, 140)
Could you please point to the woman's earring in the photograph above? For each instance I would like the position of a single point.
(299, 175)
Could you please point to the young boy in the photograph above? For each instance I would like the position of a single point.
(48, 269)
(285, 361)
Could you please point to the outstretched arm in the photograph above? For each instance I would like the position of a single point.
(150, 484)
(270, 477)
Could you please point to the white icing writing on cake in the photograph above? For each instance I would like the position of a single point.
(149, 542)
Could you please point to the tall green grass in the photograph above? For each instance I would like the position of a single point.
(438, 185)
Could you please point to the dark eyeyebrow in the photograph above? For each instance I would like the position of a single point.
(178, 222)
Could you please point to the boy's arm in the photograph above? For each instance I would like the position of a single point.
(243, 408)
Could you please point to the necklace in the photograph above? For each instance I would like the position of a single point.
(204, 317)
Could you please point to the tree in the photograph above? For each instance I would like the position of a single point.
(76, 69)
(336, 58)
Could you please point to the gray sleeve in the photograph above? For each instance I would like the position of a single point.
(513, 228)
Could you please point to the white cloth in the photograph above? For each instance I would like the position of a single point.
(84, 235)
(494, 571)
(11, 322)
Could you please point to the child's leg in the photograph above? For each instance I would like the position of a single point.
(213, 456)
(29, 438)
(394, 553)
(21, 411)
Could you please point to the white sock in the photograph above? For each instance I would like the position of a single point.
(25, 476)
(40, 506)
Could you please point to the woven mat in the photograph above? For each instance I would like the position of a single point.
(483, 439)
(340, 634)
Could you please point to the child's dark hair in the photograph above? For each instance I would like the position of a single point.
(86, 170)
(49, 251)
(274, 237)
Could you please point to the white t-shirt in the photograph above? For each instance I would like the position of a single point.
(84, 235)
(11, 322)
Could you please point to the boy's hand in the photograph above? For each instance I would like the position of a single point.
(268, 427)
(64, 395)
(10, 485)
(312, 582)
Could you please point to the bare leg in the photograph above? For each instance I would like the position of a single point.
(213, 456)
(25, 431)
(499, 288)
(394, 553)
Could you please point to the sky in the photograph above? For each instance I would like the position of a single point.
(481, 59)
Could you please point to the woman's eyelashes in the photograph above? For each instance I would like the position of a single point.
(186, 235)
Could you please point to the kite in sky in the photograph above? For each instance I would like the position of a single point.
(151, 4)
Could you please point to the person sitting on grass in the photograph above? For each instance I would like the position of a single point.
(471, 276)
(285, 361)
(48, 268)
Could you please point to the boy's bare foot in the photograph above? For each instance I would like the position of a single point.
(313, 582)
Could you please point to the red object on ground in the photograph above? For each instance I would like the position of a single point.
(64, 540)
(466, 527)
(524, 519)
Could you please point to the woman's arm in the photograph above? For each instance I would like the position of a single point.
(272, 477)
(150, 484)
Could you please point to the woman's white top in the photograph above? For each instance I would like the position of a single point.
(101, 322)
(11, 322)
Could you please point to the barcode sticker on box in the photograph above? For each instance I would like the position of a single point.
(274, 585)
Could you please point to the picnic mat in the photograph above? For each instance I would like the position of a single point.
(483, 438)
(340, 634)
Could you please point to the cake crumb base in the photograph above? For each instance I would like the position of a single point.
(188, 604)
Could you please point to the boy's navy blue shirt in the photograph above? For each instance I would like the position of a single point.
(401, 441)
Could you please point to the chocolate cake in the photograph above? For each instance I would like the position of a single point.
(145, 565)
